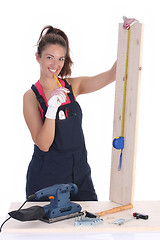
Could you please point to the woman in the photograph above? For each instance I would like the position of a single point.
(54, 117)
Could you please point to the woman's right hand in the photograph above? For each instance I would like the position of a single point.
(43, 133)
(58, 96)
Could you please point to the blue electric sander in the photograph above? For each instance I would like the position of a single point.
(59, 208)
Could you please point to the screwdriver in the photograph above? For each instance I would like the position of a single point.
(135, 216)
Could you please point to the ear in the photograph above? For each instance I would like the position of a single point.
(37, 57)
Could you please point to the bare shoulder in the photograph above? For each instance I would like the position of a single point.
(31, 112)
(29, 99)
(75, 83)
(70, 81)
(29, 95)
(30, 103)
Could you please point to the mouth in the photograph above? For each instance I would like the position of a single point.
(52, 70)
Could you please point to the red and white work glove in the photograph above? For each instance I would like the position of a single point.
(58, 97)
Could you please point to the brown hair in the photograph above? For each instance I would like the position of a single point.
(55, 36)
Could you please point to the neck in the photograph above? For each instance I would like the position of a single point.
(48, 83)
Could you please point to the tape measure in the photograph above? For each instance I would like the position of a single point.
(118, 142)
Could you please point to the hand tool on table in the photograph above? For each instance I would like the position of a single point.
(135, 216)
(88, 219)
(115, 209)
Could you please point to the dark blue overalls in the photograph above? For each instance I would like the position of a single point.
(66, 160)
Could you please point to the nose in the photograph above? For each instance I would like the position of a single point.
(54, 63)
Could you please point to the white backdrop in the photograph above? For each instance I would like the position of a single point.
(92, 27)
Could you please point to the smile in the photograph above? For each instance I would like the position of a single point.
(52, 70)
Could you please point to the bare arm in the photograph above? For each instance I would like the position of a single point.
(42, 133)
(82, 85)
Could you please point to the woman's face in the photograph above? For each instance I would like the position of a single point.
(51, 61)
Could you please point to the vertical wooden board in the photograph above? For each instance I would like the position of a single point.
(122, 182)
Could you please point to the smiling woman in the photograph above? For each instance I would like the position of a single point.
(54, 119)
(51, 61)
(56, 37)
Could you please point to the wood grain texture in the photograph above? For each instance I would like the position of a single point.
(122, 182)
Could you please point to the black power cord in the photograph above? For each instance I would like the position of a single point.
(31, 197)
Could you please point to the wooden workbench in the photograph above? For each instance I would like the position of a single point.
(151, 208)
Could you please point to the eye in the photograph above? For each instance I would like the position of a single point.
(61, 59)
(49, 57)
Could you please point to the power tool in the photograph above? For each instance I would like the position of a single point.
(60, 207)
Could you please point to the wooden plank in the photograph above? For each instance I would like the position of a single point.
(122, 182)
(151, 208)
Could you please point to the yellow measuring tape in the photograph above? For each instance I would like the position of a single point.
(118, 142)
(125, 86)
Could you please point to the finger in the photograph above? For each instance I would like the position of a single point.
(57, 91)
(66, 90)
(62, 98)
